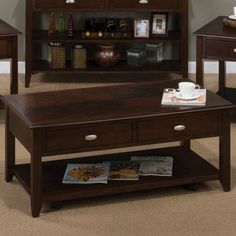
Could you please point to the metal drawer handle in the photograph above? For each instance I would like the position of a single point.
(90, 137)
(179, 127)
(234, 50)
(143, 1)
(70, 1)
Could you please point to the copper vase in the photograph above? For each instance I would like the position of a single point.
(107, 55)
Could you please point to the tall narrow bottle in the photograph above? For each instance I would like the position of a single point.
(61, 27)
(52, 25)
(70, 27)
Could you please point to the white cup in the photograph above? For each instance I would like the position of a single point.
(187, 89)
(234, 10)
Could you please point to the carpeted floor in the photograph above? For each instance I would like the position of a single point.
(172, 211)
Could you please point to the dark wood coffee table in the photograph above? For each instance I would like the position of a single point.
(52, 123)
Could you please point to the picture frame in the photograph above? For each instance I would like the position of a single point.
(141, 28)
(159, 24)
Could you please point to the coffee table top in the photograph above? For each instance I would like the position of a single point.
(7, 30)
(99, 104)
(216, 28)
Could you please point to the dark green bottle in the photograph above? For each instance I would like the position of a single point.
(62, 27)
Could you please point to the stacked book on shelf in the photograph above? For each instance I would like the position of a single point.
(118, 170)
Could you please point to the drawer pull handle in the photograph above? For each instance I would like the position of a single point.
(70, 1)
(234, 50)
(179, 127)
(143, 1)
(90, 137)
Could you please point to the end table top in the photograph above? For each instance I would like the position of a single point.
(216, 28)
(7, 30)
(97, 104)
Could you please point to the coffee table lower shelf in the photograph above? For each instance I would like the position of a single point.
(188, 168)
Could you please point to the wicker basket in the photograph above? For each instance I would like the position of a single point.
(79, 57)
(56, 56)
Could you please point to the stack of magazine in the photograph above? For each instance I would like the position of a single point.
(118, 170)
(175, 98)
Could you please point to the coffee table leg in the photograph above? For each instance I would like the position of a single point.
(224, 162)
(36, 176)
(9, 149)
(186, 144)
(14, 66)
(221, 78)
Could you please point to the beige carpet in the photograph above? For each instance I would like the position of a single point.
(172, 211)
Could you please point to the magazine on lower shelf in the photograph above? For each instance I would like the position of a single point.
(154, 165)
(173, 98)
(124, 170)
(86, 173)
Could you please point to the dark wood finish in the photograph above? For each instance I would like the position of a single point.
(62, 5)
(35, 36)
(108, 135)
(153, 5)
(164, 67)
(42, 36)
(185, 171)
(9, 49)
(224, 161)
(216, 42)
(9, 149)
(209, 123)
(120, 116)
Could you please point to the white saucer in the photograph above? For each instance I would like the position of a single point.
(233, 17)
(178, 95)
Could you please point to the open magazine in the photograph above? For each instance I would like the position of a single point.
(154, 165)
(86, 173)
(124, 170)
(175, 99)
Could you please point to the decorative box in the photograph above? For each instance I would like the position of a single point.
(79, 57)
(56, 55)
(135, 57)
(153, 53)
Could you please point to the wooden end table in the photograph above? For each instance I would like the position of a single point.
(62, 122)
(217, 42)
(9, 49)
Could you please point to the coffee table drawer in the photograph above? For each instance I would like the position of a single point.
(61, 4)
(183, 127)
(142, 4)
(97, 137)
(221, 49)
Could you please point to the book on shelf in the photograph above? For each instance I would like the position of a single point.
(86, 173)
(124, 170)
(174, 98)
(154, 165)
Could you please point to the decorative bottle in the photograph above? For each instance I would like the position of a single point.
(124, 27)
(100, 25)
(70, 27)
(88, 27)
(112, 26)
(61, 27)
(52, 25)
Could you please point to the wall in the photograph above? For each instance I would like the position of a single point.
(200, 12)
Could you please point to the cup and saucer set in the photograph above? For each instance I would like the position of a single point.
(186, 91)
